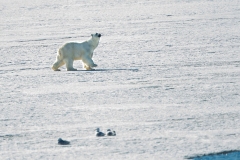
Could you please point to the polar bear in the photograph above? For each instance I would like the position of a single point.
(77, 51)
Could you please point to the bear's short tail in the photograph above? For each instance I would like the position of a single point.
(59, 55)
(59, 52)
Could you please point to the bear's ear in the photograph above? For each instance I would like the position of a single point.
(92, 35)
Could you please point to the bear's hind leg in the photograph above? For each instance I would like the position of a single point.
(57, 64)
(69, 65)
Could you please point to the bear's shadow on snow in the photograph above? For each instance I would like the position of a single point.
(106, 70)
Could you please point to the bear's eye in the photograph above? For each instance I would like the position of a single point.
(96, 33)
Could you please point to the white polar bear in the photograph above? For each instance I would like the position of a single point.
(77, 51)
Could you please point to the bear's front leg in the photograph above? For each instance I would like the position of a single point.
(88, 63)
(87, 67)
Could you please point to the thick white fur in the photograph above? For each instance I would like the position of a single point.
(77, 51)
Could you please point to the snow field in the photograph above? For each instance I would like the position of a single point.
(167, 80)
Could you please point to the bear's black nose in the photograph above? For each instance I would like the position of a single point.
(99, 35)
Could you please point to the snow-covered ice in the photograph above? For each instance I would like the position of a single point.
(168, 79)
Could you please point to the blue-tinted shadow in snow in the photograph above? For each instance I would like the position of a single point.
(225, 155)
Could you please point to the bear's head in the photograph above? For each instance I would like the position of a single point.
(96, 35)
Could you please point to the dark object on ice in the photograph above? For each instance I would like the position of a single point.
(98, 133)
(63, 142)
(111, 133)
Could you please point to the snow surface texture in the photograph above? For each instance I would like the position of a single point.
(168, 79)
